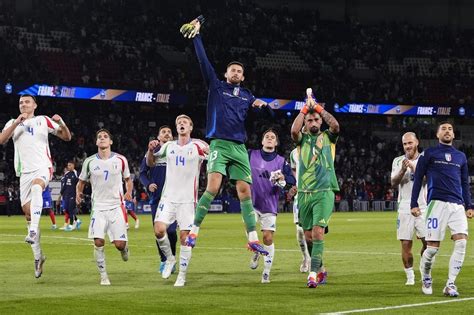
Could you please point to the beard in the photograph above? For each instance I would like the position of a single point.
(314, 130)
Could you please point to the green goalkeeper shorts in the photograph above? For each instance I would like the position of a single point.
(229, 158)
(315, 208)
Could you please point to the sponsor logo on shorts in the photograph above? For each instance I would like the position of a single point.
(122, 236)
(322, 221)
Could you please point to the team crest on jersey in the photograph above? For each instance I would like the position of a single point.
(236, 91)
(448, 157)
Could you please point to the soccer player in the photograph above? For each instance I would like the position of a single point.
(403, 171)
(306, 261)
(270, 174)
(106, 170)
(227, 106)
(449, 203)
(317, 180)
(179, 196)
(48, 206)
(153, 179)
(33, 164)
(68, 197)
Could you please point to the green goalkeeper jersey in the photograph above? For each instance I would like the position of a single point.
(316, 162)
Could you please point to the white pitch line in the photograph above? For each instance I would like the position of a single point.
(400, 306)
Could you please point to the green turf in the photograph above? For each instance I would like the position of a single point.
(362, 258)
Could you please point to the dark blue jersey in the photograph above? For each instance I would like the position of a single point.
(153, 175)
(227, 104)
(68, 184)
(446, 173)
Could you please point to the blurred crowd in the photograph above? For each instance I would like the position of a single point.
(137, 44)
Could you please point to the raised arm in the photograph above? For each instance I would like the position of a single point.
(297, 126)
(150, 157)
(62, 132)
(207, 69)
(397, 174)
(7, 133)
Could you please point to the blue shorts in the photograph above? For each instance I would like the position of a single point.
(47, 203)
(129, 205)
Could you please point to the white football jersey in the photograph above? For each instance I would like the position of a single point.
(106, 178)
(406, 185)
(30, 139)
(183, 164)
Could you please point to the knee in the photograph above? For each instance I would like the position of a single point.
(318, 233)
(267, 238)
(243, 189)
(120, 245)
(460, 246)
(98, 242)
(182, 239)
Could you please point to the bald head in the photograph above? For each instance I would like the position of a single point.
(410, 145)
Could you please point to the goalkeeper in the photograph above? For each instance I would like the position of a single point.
(227, 106)
(317, 180)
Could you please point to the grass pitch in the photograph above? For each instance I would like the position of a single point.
(362, 256)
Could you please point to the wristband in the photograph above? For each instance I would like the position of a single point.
(318, 108)
(304, 110)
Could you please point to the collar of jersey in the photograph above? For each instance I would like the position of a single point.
(111, 156)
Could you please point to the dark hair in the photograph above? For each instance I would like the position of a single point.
(163, 127)
(444, 122)
(272, 131)
(104, 130)
(28, 95)
(71, 161)
(236, 63)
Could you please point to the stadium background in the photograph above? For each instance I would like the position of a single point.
(86, 64)
(371, 62)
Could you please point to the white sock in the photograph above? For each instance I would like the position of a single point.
(302, 242)
(427, 260)
(410, 273)
(99, 255)
(165, 246)
(194, 230)
(185, 254)
(36, 206)
(457, 259)
(36, 247)
(253, 237)
(268, 260)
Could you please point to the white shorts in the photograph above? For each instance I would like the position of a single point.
(407, 224)
(443, 214)
(110, 222)
(168, 212)
(267, 221)
(26, 182)
(296, 219)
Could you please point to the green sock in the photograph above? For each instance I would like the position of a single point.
(248, 215)
(203, 207)
(317, 255)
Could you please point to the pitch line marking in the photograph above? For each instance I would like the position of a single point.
(400, 306)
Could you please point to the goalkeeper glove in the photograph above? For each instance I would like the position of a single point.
(190, 30)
